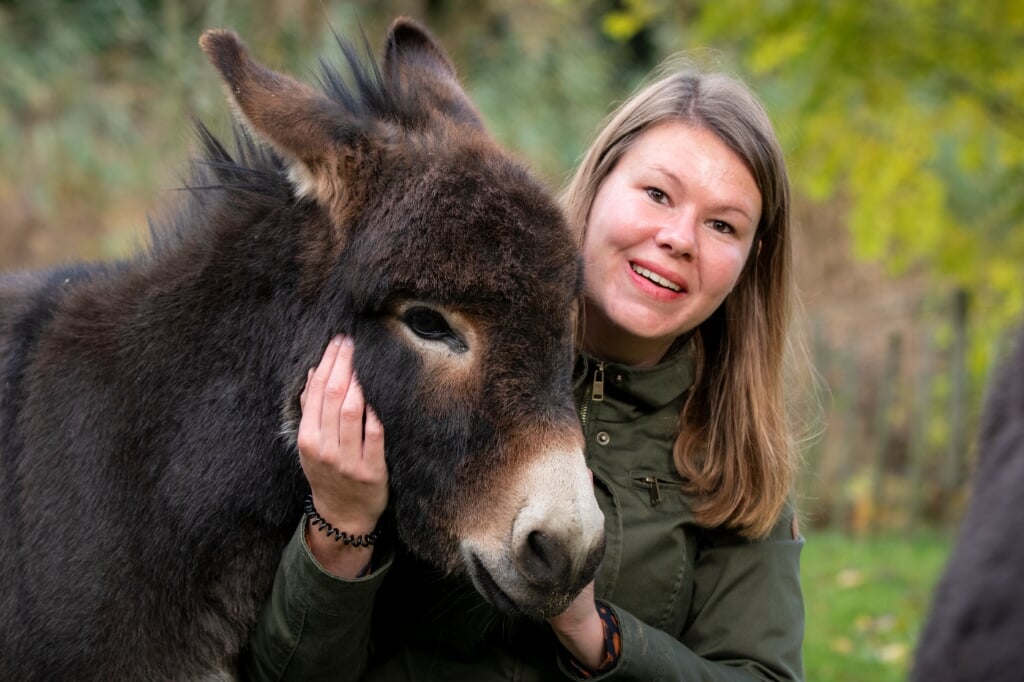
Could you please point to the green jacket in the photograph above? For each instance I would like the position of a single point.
(692, 603)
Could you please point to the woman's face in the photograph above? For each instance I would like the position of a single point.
(667, 236)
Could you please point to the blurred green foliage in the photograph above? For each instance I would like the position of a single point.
(906, 115)
(911, 114)
(866, 603)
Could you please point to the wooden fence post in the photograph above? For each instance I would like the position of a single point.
(917, 445)
(846, 406)
(952, 477)
(888, 385)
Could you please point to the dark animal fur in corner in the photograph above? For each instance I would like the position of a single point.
(975, 630)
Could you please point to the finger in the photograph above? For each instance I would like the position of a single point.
(350, 421)
(373, 444)
(336, 391)
(312, 410)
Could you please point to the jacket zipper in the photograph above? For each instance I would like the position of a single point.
(652, 487)
(596, 393)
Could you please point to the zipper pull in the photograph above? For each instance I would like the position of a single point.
(652, 486)
(598, 392)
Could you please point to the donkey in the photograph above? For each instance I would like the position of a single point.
(148, 469)
(977, 616)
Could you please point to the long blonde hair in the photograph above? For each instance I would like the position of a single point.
(734, 449)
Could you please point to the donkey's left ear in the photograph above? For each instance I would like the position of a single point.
(416, 66)
(303, 126)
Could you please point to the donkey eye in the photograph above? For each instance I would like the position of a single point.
(430, 325)
(426, 323)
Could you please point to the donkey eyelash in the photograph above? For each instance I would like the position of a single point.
(430, 325)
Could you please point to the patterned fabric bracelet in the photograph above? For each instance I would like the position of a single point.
(612, 647)
(320, 523)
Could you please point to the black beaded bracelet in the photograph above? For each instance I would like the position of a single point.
(318, 522)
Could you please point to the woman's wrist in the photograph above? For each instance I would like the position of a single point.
(353, 522)
(337, 559)
(356, 534)
(583, 638)
(594, 645)
(342, 547)
(587, 646)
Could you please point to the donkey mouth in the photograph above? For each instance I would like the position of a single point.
(489, 588)
(545, 605)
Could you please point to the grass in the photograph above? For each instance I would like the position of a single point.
(866, 601)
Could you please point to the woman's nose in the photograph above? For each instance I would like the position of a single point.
(678, 238)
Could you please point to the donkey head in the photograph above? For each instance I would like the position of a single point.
(455, 273)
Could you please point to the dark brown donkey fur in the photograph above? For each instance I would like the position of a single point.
(975, 630)
(148, 471)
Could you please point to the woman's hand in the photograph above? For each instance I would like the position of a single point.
(341, 447)
(580, 631)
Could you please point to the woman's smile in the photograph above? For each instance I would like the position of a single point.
(666, 283)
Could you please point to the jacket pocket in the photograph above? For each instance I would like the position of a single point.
(657, 550)
(659, 489)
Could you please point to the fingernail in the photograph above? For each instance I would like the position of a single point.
(346, 340)
(337, 340)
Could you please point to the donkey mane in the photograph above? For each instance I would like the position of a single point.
(252, 178)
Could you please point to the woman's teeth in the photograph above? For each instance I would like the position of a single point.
(656, 278)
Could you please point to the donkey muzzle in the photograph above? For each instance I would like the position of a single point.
(551, 546)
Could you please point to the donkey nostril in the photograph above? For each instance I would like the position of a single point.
(543, 558)
(539, 542)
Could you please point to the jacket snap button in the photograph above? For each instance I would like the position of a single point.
(603, 438)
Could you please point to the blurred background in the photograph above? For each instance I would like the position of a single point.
(903, 124)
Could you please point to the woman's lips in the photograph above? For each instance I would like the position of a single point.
(670, 284)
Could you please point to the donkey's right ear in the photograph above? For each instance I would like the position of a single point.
(417, 66)
(299, 123)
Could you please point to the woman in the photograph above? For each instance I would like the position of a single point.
(682, 203)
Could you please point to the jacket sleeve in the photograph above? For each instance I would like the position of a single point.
(314, 623)
(747, 622)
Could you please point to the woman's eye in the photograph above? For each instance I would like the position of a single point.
(656, 194)
(722, 226)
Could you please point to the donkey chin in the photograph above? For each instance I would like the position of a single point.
(537, 564)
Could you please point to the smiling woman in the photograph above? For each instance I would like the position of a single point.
(681, 208)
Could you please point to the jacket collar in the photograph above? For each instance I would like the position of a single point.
(652, 386)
